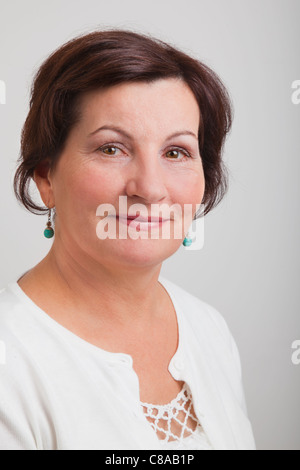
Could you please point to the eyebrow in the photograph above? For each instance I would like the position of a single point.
(130, 137)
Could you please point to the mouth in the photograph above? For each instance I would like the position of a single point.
(138, 219)
(143, 223)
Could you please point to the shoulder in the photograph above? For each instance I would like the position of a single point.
(205, 321)
(24, 339)
(21, 390)
(19, 333)
(14, 328)
(208, 332)
(14, 313)
(10, 307)
(197, 311)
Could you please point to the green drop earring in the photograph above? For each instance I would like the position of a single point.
(49, 232)
(188, 240)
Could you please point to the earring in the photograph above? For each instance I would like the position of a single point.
(188, 240)
(49, 232)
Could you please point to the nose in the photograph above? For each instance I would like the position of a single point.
(146, 181)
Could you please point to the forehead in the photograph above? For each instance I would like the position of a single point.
(158, 106)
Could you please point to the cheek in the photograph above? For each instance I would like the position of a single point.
(188, 191)
(189, 188)
(88, 187)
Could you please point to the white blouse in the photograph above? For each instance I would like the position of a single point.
(59, 392)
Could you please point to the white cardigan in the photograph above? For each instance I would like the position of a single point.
(59, 392)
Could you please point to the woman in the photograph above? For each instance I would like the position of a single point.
(101, 351)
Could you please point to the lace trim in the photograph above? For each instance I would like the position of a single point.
(196, 441)
(174, 421)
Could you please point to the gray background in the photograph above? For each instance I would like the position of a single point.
(249, 266)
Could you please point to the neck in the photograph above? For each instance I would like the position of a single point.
(113, 293)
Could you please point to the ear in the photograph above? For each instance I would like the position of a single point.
(43, 180)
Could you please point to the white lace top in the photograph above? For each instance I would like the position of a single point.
(176, 424)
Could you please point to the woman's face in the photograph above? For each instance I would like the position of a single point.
(146, 151)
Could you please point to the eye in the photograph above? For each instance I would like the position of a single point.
(175, 153)
(108, 149)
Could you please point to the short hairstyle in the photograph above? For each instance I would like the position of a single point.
(102, 59)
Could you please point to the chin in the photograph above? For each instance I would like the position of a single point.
(141, 252)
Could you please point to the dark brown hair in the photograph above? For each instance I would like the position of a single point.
(105, 58)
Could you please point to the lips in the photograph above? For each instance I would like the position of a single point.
(142, 219)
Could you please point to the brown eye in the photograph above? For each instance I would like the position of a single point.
(109, 150)
(173, 154)
(178, 154)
